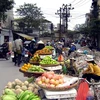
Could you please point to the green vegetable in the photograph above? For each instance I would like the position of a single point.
(35, 68)
(9, 97)
(48, 60)
(30, 80)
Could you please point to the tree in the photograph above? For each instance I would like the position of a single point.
(5, 5)
(83, 28)
(31, 15)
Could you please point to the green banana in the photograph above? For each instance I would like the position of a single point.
(36, 99)
(25, 97)
(24, 94)
(19, 95)
(31, 97)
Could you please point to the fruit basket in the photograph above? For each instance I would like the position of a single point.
(30, 74)
(49, 65)
(44, 55)
(49, 62)
(58, 88)
(34, 63)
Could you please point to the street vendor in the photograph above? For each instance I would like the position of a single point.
(92, 71)
(72, 67)
(40, 45)
(70, 63)
(72, 49)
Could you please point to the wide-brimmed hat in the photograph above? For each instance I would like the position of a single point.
(33, 40)
(73, 43)
(89, 58)
(72, 58)
(59, 42)
(40, 42)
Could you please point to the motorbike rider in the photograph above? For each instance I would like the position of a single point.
(5, 46)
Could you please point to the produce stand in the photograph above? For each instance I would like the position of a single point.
(63, 92)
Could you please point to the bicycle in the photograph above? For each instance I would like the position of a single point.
(95, 86)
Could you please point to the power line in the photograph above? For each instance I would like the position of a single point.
(73, 1)
(83, 4)
(78, 16)
(79, 2)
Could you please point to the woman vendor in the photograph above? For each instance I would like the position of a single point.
(40, 45)
(92, 71)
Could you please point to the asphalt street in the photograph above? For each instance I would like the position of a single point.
(8, 73)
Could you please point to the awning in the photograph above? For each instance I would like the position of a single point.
(25, 36)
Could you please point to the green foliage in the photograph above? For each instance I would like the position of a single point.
(5, 5)
(91, 28)
(94, 26)
(31, 15)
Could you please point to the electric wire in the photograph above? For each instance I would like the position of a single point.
(83, 4)
(78, 16)
(79, 2)
(73, 1)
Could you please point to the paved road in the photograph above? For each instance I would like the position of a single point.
(8, 72)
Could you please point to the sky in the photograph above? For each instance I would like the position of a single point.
(50, 7)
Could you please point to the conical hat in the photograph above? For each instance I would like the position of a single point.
(40, 42)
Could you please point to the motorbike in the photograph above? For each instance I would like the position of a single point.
(24, 57)
(6, 55)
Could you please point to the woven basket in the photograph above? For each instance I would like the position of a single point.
(35, 63)
(30, 74)
(57, 88)
(46, 54)
(48, 65)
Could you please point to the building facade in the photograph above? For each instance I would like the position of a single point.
(6, 28)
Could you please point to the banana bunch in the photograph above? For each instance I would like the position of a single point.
(35, 58)
(27, 95)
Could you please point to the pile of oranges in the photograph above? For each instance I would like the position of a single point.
(25, 67)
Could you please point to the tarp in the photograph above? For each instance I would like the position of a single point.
(25, 36)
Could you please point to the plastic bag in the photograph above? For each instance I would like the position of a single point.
(82, 91)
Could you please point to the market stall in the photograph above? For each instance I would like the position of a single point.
(43, 71)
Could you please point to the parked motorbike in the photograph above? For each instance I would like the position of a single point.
(6, 55)
(25, 56)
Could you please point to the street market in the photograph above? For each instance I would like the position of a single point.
(50, 50)
(50, 77)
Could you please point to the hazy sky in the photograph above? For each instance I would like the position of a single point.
(50, 7)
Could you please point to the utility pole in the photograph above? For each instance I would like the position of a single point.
(59, 12)
(64, 14)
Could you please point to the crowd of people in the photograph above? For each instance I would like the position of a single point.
(19, 48)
